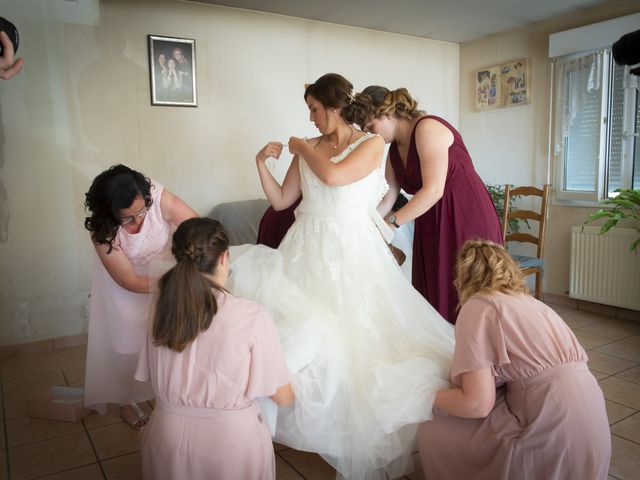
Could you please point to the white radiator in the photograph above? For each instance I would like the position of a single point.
(603, 270)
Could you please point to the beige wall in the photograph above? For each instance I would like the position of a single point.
(509, 145)
(82, 104)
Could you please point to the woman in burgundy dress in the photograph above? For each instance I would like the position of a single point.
(450, 204)
(275, 224)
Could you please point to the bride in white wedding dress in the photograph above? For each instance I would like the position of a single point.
(365, 350)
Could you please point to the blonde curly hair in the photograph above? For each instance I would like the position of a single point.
(485, 266)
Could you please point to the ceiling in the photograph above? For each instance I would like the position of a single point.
(457, 21)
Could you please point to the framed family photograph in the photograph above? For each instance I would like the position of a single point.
(172, 71)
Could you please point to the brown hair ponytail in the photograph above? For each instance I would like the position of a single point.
(186, 304)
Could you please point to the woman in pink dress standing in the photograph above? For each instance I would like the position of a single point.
(450, 205)
(131, 221)
(547, 419)
(209, 355)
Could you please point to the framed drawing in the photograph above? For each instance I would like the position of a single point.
(488, 87)
(514, 82)
(172, 71)
(502, 85)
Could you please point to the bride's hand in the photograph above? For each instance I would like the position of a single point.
(271, 149)
(297, 145)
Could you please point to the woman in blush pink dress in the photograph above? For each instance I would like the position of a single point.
(429, 160)
(209, 355)
(547, 419)
(131, 222)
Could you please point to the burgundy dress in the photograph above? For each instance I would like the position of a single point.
(275, 224)
(464, 212)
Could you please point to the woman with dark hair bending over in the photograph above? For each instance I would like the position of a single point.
(131, 221)
(209, 355)
(450, 204)
(366, 351)
(547, 419)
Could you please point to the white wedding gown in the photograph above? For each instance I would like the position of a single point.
(366, 351)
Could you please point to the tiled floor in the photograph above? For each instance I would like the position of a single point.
(104, 447)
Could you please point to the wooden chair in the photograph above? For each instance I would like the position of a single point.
(527, 264)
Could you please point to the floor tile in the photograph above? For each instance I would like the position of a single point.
(589, 340)
(558, 308)
(284, 470)
(633, 374)
(93, 420)
(629, 349)
(599, 375)
(34, 379)
(310, 465)
(16, 405)
(90, 472)
(617, 412)
(614, 329)
(277, 447)
(73, 374)
(625, 459)
(23, 430)
(621, 391)
(126, 467)
(3, 443)
(51, 456)
(43, 359)
(629, 428)
(114, 440)
(72, 356)
(608, 364)
(70, 341)
(4, 473)
(580, 318)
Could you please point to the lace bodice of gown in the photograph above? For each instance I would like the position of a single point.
(361, 197)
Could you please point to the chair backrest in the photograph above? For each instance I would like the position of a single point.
(540, 216)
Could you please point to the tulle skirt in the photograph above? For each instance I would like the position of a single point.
(366, 351)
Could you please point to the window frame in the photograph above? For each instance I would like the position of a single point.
(562, 196)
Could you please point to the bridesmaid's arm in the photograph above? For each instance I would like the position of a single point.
(363, 160)
(386, 204)
(284, 395)
(475, 399)
(174, 210)
(279, 196)
(121, 270)
(433, 140)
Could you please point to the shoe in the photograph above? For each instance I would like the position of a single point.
(133, 416)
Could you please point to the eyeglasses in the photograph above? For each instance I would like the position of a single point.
(132, 218)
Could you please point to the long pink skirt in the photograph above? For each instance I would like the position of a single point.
(202, 443)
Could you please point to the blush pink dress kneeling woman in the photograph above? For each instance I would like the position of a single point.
(205, 424)
(547, 419)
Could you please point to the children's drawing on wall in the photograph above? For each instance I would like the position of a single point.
(502, 85)
(514, 83)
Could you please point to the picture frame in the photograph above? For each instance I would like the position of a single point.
(514, 80)
(172, 71)
(488, 87)
(503, 85)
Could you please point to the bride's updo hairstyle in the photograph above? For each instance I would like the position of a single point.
(485, 266)
(331, 90)
(186, 303)
(375, 101)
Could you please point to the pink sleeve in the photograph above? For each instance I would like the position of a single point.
(268, 370)
(479, 339)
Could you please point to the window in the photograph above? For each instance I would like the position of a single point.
(597, 125)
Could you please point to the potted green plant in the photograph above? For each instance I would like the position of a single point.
(497, 196)
(626, 207)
